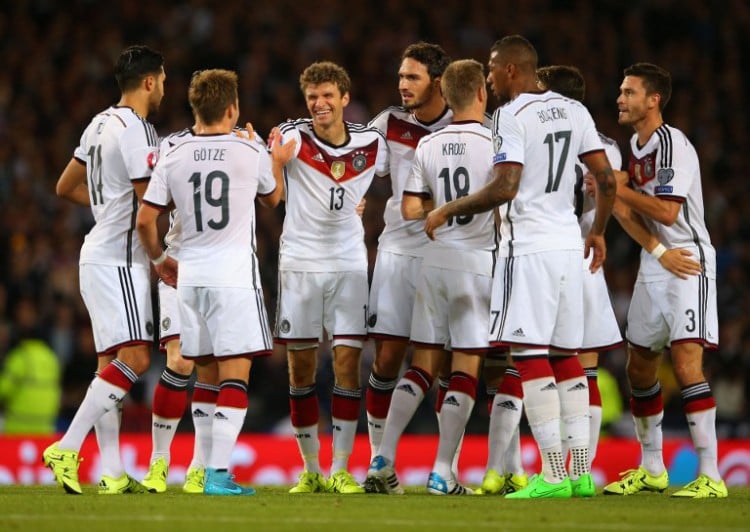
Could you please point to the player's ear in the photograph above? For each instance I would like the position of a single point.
(345, 99)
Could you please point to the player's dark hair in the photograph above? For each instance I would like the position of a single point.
(135, 63)
(211, 92)
(518, 50)
(325, 72)
(567, 80)
(656, 80)
(460, 83)
(430, 55)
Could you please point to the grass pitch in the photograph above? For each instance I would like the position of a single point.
(272, 508)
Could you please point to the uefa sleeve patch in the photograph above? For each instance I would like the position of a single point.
(499, 158)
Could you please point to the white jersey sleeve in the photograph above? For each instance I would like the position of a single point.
(586, 204)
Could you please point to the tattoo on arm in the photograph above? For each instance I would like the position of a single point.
(502, 188)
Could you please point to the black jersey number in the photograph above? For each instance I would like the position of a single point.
(95, 175)
(555, 174)
(456, 186)
(337, 198)
(220, 200)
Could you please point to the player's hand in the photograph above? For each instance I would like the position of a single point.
(595, 244)
(167, 271)
(589, 184)
(679, 261)
(435, 218)
(281, 152)
(360, 208)
(248, 133)
(622, 178)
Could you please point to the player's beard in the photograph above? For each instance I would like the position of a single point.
(419, 101)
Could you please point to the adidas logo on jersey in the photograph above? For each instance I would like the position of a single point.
(407, 388)
(579, 386)
(318, 157)
(550, 386)
(406, 135)
(199, 413)
(451, 400)
(508, 405)
(519, 332)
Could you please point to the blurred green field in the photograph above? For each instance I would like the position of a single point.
(272, 508)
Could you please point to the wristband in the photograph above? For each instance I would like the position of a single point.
(658, 251)
(161, 258)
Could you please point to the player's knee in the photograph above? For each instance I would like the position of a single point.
(180, 365)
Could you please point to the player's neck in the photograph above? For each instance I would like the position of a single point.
(136, 102)
(645, 128)
(469, 115)
(431, 111)
(335, 134)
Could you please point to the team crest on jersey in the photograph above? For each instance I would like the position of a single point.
(359, 162)
(338, 169)
(664, 176)
(285, 326)
(152, 159)
(642, 170)
(165, 323)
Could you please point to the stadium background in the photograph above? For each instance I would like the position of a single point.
(57, 72)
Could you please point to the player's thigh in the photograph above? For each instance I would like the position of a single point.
(237, 322)
(169, 314)
(392, 292)
(345, 304)
(469, 310)
(299, 313)
(568, 332)
(429, 322)
(600, 328)
(646, 326)
(195, 337)
(690, 310)
(118, 300)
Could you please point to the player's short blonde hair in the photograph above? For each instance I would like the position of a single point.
(325, 72)
(460, 83)
(211, 92)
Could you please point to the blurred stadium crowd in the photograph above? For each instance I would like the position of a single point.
(57, 72)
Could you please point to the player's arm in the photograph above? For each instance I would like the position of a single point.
(415, 206)
(660, 210)
(677, 261)
(72, 183)
(140, 186)
(502, 188)
(281, 153)
(605, 184)
(148, 233)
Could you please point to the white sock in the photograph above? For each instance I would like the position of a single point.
(162, 433)
(649, 434)
(454, 414)
(227, 424)
(107, 429)
(513, 462)
(504, 420)
(595, 427)
(406, 398)
(100, 398)
(703, 431)
(309, 447)
(542, 404)
(203, 420)
(574, 411)
(344, 432)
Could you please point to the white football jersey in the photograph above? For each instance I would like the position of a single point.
(171, 239)
(402, 131)
(117, 147)
(213, 181)
(545, 133)
(324, 184)
(453, 163)
(667, 167)
(585, 204)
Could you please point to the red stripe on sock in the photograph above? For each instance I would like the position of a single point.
(202, 395)
(419, 377)
(169, 403)
(699, 405)
(377, 402)
(439, 398)
(115, 377)
(304, 410)
(463, 383)
(511, 385)
(595, 398)
(345, 407)
(566, 368)
(649, 406)
(533, 368)
(231, 397)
